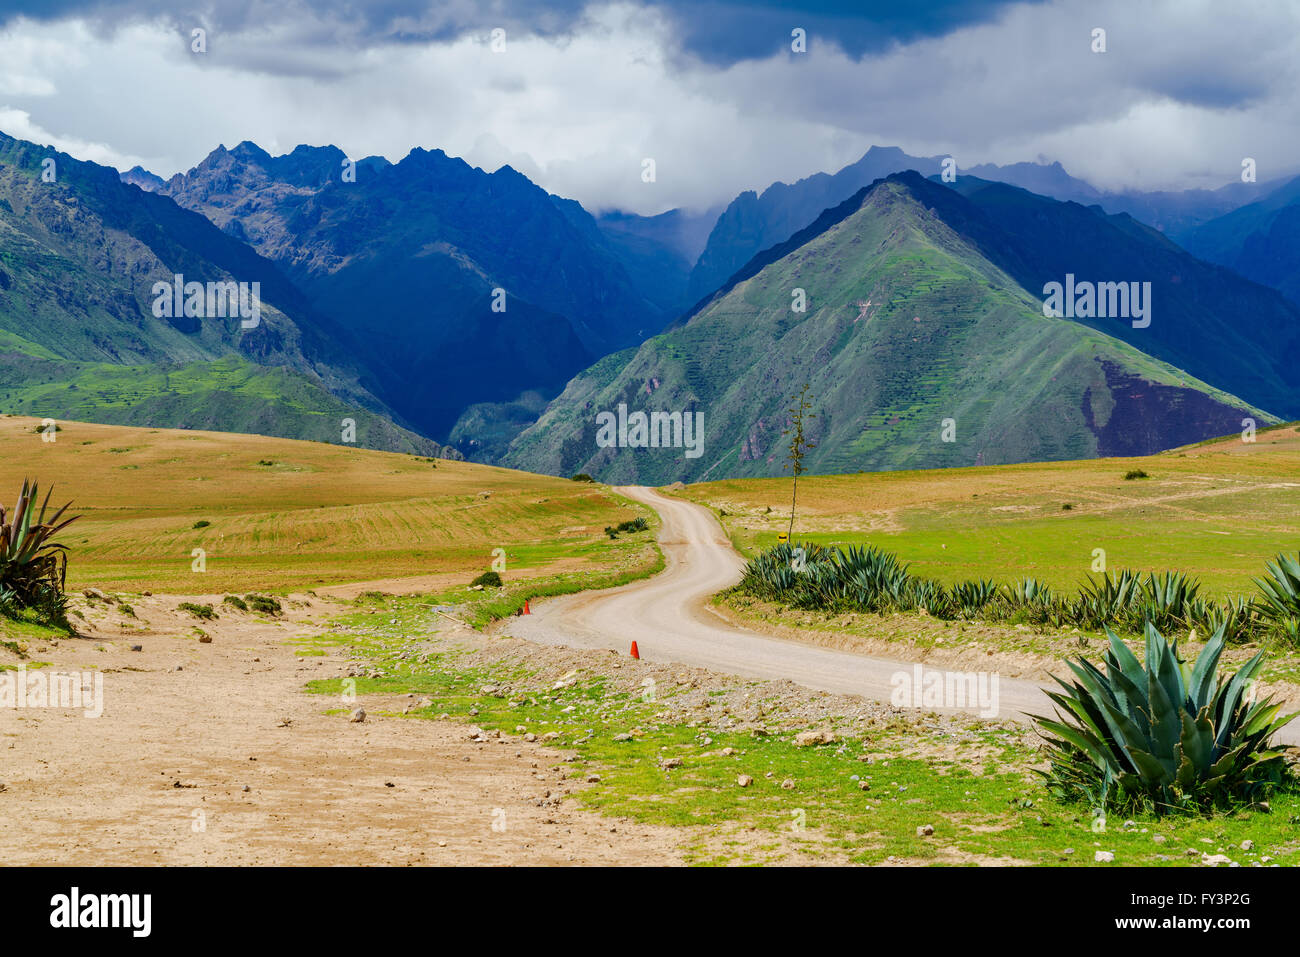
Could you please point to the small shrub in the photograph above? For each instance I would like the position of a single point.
(263, 603)
(635, 525)
(265, 462)
(582, 477)
(489, 579)
(235, 601)
(201, 523)
(198, 611)
(1067, 507)
(126, 609)
(1132, 474)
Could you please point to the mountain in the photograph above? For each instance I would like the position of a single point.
(1225, 330)
(659, 252)
(80, 254)
(911, 336)
(408, 258)
(1261, 241)
(754, 222)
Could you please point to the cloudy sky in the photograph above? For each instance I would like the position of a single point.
(583, 92)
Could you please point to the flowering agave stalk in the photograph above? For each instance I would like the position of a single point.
(33, 567)
(1166, 734)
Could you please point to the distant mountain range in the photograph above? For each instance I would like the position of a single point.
(921, 351)
(449, 310)
(80, 255)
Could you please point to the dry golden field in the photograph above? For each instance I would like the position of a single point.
(288, 514)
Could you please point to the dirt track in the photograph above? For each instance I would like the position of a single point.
(669, 618)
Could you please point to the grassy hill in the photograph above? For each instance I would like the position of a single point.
(908, 324)
(1217, 510)
(285, 514)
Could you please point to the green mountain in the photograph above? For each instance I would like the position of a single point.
(80, 255)
(911, 336)
(1235, 334)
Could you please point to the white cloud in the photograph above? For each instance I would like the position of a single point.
(1186, 89)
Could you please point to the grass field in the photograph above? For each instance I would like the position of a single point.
(285, 514)
(1218, 510)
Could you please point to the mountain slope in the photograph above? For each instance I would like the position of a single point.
(1261, 241)
(79, 258)
(408, 258)
(1225, 330)
(908, 324)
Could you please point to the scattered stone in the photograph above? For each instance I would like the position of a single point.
(744, 780)
(593, 778)
(357, 716)
(1214, 860)
(1104, 857)
(205, 639)
(137, 647)
(530, 737)
(1248, 845)
(623, 737)
(787, 784)
(670, 763)
(1159, 838)
(925, 830)
(807, 739)
(863, 785)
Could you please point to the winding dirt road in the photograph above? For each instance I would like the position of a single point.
(669, 618)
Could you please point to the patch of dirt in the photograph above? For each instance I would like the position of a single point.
(213, 754)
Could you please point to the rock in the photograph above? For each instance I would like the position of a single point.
(1104, 857)
(623, 737)
(1068, 851)
(925, 830)
(490, 690)
(1214, 860)
(863, 785)
(728, 752)
(1247, 845)
(357, 716)
(205, 639)
(1191, 852)
(744, 780)
(807, 739)
(593, 778)
(95, 594)
(787, 784)
(137, 647)
(1159, 839)
(670, 763)
(530, 737)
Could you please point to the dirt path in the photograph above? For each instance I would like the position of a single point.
(669, 618)
(212, 754)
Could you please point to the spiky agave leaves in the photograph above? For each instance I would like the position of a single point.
(33, 567)
(1281, 589)
(1165, 734)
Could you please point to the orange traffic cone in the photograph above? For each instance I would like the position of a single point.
(526, 611)
(635, 654)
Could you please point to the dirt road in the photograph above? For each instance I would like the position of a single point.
(669, 618)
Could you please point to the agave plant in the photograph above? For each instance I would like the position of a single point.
(971, 597)
(1109, 600)
(1281, 591)
(1168, 599)
(1166, 734)
(33, 567)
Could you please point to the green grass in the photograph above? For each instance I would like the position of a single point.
(971, 783)
(1221, 510)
